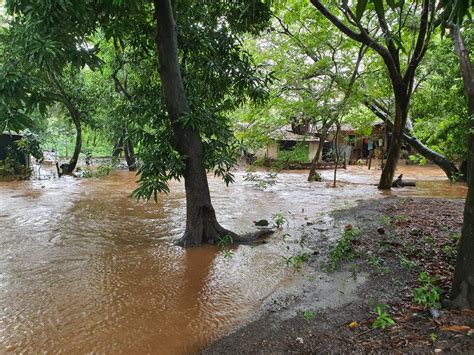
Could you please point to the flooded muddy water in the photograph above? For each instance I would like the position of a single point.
(85, 268)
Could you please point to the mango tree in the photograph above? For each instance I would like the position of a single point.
(400, 33)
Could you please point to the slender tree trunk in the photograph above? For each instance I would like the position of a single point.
(76, 118)
(130, 155)
(336, 150)
(462, 292)
(201, 222)
(317, 158)
(118, 148)
(401, 114)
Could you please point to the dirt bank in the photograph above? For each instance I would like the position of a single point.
(334, 312)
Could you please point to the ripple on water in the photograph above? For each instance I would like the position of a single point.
(85, 268)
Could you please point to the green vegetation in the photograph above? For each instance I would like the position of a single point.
(224, 242)
(378, 264)
(297, 154)
(279, 219)
(385, 220)
(296, 261)
(261, 182)
(428, 294)
(308, 315)
(343, 249)
(383, 320)
(407, 263)
(186, 88)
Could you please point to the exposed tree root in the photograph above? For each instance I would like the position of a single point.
(214, 233)
(255, 237)
(462, 300)
(202, 228)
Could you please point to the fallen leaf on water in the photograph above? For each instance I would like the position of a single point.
(456, 328)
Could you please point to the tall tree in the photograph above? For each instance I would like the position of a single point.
(201, 221)
(183, 132)
(387, 38)
(462, 293)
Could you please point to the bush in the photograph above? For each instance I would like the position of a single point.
(343, 249)
(298, 154)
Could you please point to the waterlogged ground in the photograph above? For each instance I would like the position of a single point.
(85, 268)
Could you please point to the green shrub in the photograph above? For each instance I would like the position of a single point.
(383, 320)
(428, 294)
(343, 249)
(298, 154)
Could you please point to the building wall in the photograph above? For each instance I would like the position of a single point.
(270, 151)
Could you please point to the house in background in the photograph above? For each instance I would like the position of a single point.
(353, 147)
(284, 139)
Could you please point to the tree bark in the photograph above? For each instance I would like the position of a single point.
(118, 148)
(130, 155)
(462, 292)
(402, 84)
(401, 114)
(76, 119)
(317, 157)
(201, 221)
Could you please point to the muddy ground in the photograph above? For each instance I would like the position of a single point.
(335, 311)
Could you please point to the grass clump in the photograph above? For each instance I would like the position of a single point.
(428, 294)
(343, 249)
(383, 320)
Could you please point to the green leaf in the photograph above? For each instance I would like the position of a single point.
(361, 6)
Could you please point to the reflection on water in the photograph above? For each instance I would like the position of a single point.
(85, 268)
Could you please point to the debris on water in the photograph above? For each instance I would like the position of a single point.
(79, 174)
(261, 223)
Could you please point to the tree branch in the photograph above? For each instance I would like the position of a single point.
(363, 38)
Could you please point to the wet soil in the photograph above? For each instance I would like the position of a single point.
(334, 313)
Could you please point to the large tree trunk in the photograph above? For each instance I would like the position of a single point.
(448, 167)
(401, 114)
(201, 222)
(462, 293)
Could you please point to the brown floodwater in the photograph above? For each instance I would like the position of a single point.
(85, 268)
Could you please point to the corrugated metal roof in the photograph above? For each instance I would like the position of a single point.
(285, 134)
